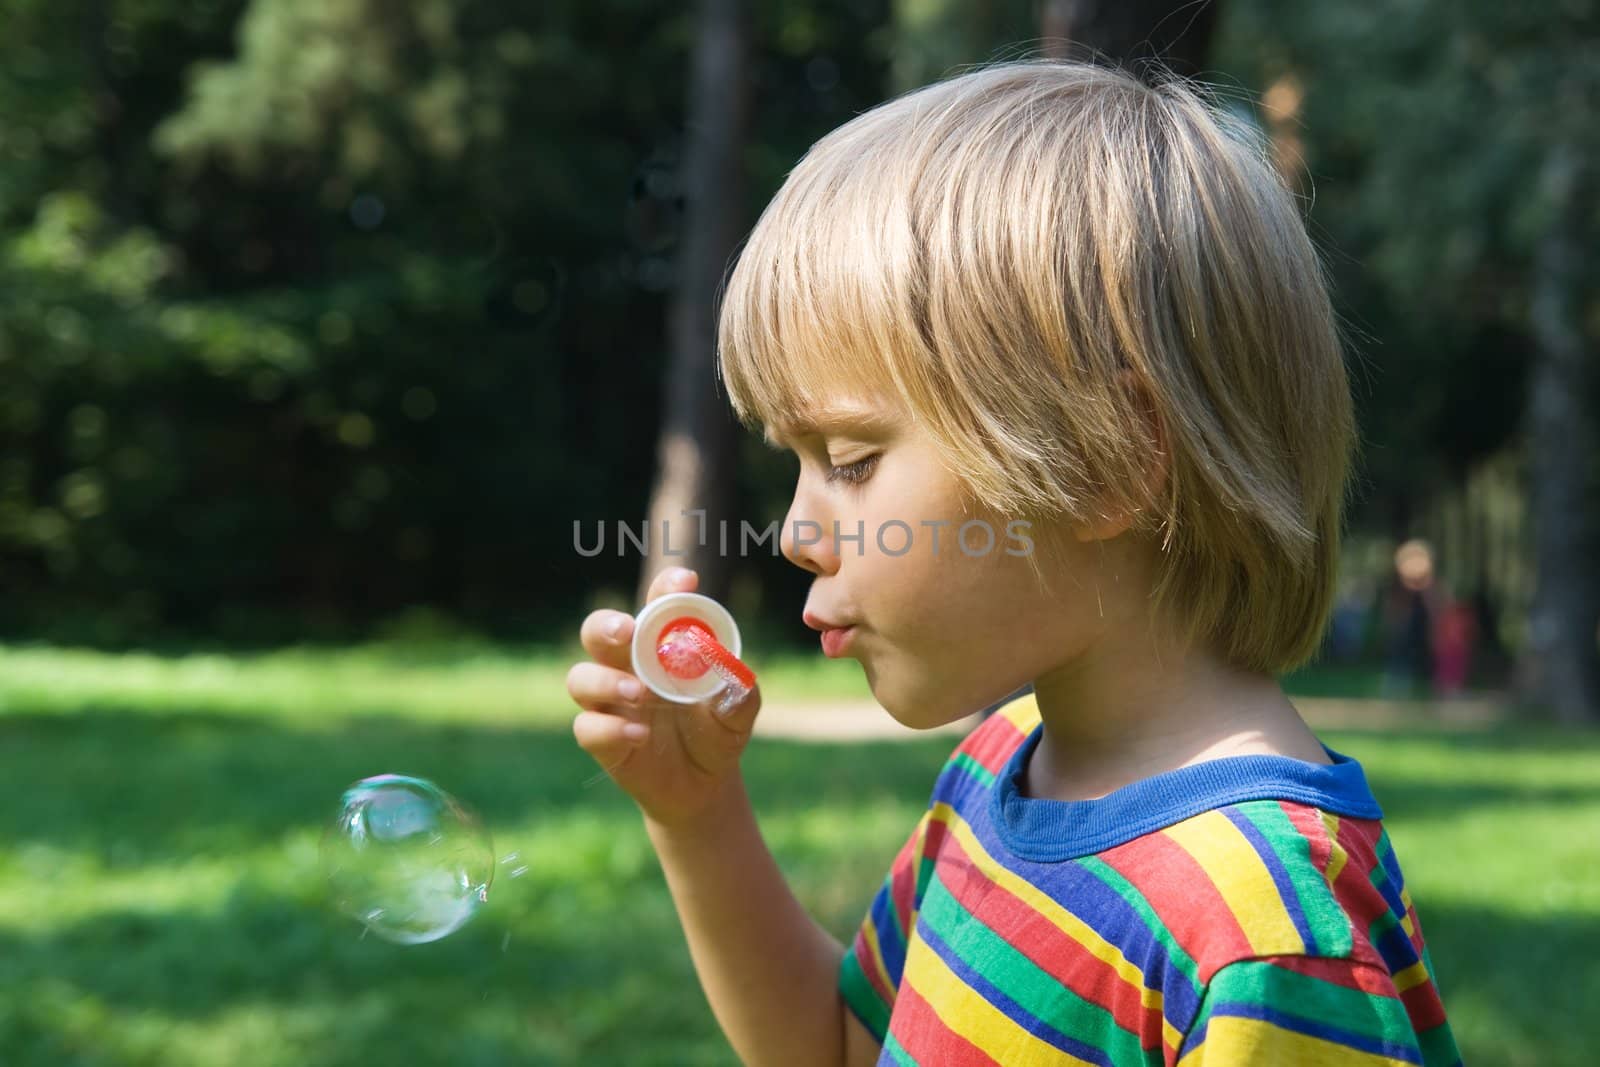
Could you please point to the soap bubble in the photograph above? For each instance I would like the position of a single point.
(406, 859)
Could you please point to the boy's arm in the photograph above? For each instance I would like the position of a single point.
(769, 971)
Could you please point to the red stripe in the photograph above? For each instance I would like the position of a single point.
(903, 879)
(1351, 974)
(1184, 899)
(1353, 888)
(925, 843)
(1309, 822)
(1424, 1006)
(1053, 950)
(1416, 928)
(924, 1035)
(991, 744)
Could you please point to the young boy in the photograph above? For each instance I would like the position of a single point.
(1082, 313)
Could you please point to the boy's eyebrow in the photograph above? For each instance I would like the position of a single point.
(835, 419)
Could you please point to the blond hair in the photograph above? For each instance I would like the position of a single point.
(1054, 266)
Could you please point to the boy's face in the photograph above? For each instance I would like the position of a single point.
(948, 615)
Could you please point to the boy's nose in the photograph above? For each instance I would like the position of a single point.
(806, 540)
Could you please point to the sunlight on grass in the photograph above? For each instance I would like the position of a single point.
(162, 900)
(466, 682)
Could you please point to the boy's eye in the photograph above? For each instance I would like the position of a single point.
(852, 473)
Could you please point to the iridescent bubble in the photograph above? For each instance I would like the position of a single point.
(406, 859)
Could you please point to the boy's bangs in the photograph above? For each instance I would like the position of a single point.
(810, 310)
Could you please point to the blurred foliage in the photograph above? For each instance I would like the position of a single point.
(1426, 131)
(311, 310)
(315, 310)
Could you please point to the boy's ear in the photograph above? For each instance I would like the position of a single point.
(1158, 467)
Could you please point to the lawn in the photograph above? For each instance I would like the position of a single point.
(161, 899)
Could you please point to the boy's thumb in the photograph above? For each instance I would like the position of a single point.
(736, 711)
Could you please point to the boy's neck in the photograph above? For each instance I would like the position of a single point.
(1120, 713)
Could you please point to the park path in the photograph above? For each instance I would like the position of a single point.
(866, 721)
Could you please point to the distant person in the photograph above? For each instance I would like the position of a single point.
(1047, 290)
(1408, 621)
(1455, 634)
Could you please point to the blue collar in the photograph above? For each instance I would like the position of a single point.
(1054, 830)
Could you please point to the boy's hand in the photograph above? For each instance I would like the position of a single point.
(671, 758)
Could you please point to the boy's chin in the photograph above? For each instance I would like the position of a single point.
(918, 710)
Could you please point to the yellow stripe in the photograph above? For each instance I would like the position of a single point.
(1239, 874)
(1411, 977)
(1023, 713)
(870, 933)
(1068, 923)
(964, 1011)
(1338, 857)
(1405, 917)
(1231, 1040)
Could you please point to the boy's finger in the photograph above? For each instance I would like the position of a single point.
(673, 580)
(608, 636)
(610, 739)
(591, 685)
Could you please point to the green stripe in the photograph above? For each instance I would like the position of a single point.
(898, 1053)
(1181, 960)
(973, 767)
(1263, 983)
(1380, 926)
(859, 995)
(1384, 847)
(1328, 922)
(924, 876)
(1034, 989)
(1439, 1047)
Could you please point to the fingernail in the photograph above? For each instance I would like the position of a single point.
(679, 575)
(728, 701)
(636, 732)
(630, 689)
(614, 628)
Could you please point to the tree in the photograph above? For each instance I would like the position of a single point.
(1129, 31)
(695, 453)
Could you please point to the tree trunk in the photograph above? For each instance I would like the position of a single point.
(695, 454)
(1127, 31)
(1562, 671)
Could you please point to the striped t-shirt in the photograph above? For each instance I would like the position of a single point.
(1247, 910)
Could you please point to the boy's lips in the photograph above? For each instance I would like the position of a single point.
(835, 641)
(836, 636)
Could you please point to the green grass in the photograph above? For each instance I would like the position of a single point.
(161, 899)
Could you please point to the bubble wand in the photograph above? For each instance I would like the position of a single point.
(686, 649)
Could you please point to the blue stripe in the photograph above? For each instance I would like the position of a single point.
(1396, 949)
(1012, 1010)
(957, 787)
(890, 942)
(1311, 1028)
(1379, 877)
(1280, 874)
